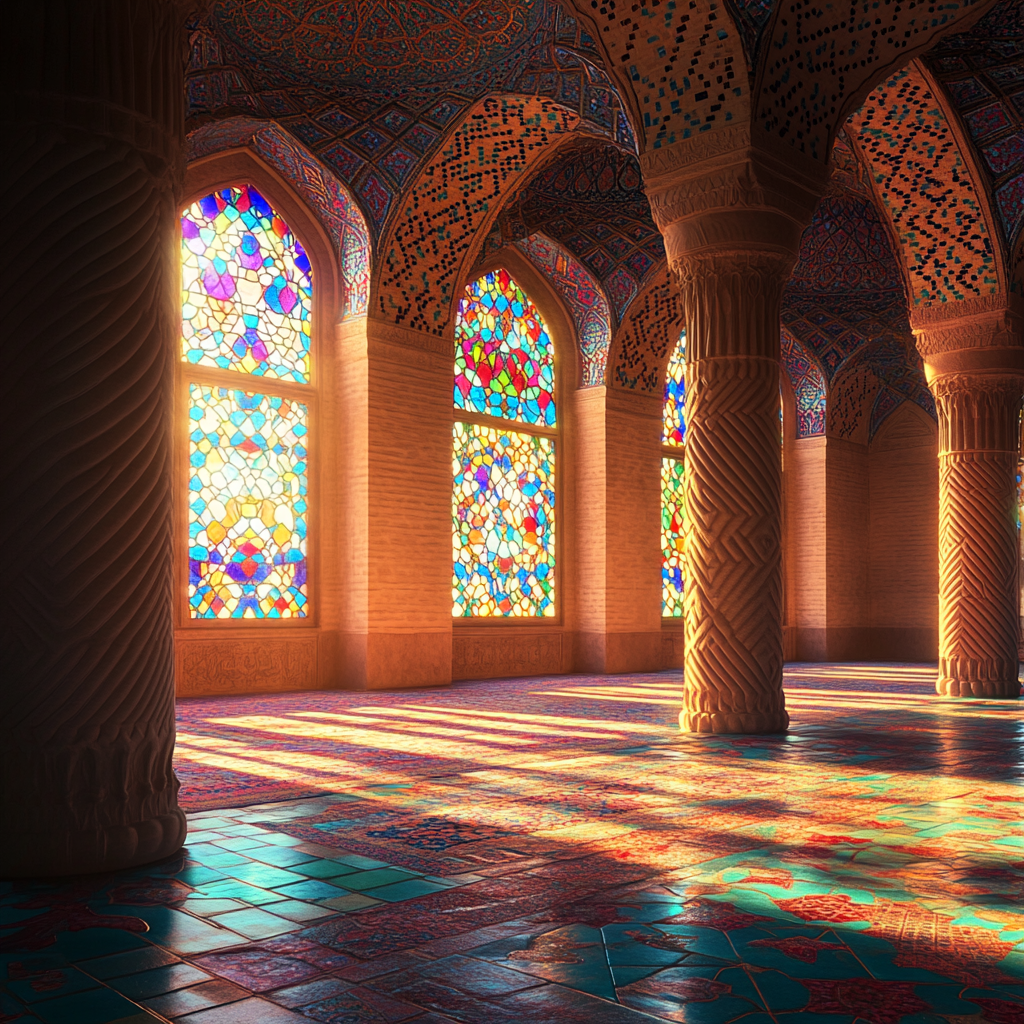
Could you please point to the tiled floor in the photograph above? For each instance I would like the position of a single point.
(555, 851)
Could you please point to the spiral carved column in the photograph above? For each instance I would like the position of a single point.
(733, 602)
(91, 165)
(978, 621)
(973, 355)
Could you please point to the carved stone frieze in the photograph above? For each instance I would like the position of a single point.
(257, 665)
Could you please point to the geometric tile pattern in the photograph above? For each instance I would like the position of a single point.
(846, 306)
(983, 73)
(649, 331)
(808, 386)
(555, 850)
(590, 200)
(799, 109)
(684, 64)
(927, 189)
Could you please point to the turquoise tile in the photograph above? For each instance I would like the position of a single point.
(265, 876)
(98, 1006)
(51, 984)
(400, 891)
(280, 856)
(181, 932)
(156, 982)
(322, 868)
(376, 878)
(310, 889)
(256, 924)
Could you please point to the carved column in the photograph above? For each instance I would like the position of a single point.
(732, 222)
(975, 367)
(92, 157)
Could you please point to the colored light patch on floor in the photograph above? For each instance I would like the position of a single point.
(406, 861)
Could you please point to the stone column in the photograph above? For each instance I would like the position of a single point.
(732, 223)
(975, 367)
(92, 153)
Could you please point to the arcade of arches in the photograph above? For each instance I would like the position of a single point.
(667, 350)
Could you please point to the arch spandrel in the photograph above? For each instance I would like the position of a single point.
(447, 211)
(647, 335)
(585, 300)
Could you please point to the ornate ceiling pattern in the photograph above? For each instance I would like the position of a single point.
(371, 88)
(983, 73)
(846, 303)
(590, 199)
(647, 334)
(821, 57)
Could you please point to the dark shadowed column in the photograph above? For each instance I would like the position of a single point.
(93, 101)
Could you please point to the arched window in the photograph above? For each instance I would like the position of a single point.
(673, 477)
(245, 373)
(503, 502)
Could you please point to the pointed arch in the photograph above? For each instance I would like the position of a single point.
(325, 195)
(926, 181)
(585, 299)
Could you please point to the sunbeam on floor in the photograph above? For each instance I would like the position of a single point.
(557, 851)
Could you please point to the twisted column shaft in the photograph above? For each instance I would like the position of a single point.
(733, 601)
(91, 283)
(978, 543)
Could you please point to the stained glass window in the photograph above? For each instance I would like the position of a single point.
(247, 505)
(673, 481)
(673, 519)
(673, 408)
(246, 309)
(504, 362)
(503, 529)
(503, 499)
(247, 287)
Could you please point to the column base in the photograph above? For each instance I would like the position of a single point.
(725, 722)
(48, 854)
(999, 689)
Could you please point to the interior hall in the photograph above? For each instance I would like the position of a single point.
(526, 506)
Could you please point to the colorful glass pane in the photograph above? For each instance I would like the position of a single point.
(247, 505)
(504, 363)
(673, 540)
(503, 523)
(246, 288)
(674, 407)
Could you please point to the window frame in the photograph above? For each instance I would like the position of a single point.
(556, 320)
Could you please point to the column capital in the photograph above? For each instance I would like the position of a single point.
(728, 194)
(976, 335)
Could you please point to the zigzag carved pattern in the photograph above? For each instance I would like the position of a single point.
(88, 716)
(733, 602)
(978, 622)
